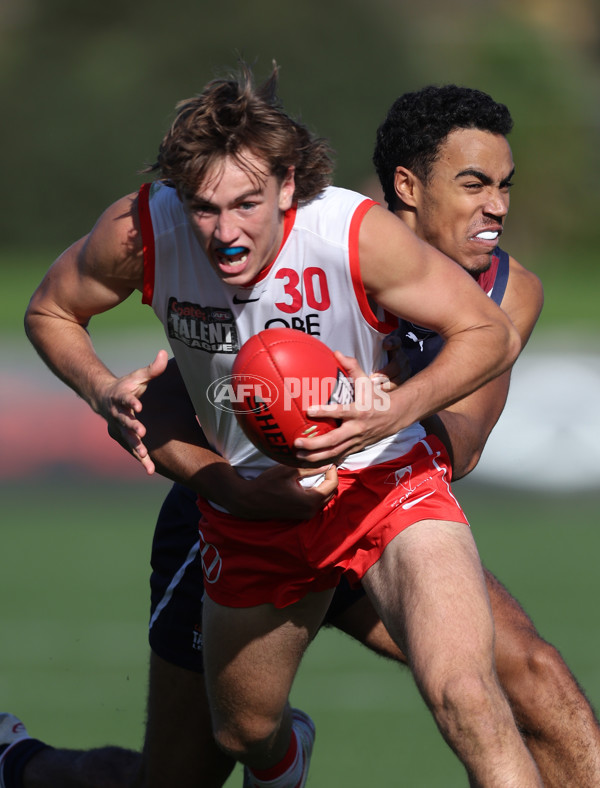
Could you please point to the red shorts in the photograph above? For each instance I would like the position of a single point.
(249, 562)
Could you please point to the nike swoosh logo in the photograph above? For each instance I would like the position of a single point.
(237, 300)
(410, 504)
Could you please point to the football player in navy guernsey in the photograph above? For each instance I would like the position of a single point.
(452, 189)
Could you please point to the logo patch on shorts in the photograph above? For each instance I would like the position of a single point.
(211, 560)
(402, 478)
(197, 637)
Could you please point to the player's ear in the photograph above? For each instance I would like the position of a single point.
(405, 185)
(287, 189)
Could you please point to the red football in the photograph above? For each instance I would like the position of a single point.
(277, 375)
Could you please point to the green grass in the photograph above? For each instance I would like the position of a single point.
(73, 574)
(74, 583)
(570, 295)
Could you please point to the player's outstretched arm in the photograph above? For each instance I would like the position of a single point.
(94, 275)
(428, 289)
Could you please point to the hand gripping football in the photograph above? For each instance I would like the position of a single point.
(277, 375)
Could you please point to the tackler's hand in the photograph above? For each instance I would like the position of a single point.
(398, 369)
(286, 493)
(120, 405)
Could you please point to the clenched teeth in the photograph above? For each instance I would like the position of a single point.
(241, 260)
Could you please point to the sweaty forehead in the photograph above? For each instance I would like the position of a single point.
(474, 149)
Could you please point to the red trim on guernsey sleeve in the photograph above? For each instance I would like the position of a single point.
(359, 290)
(147, 241)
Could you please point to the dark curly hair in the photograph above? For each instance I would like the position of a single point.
(418, 123)
(230, 117)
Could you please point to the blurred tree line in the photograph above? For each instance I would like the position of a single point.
(89, 88)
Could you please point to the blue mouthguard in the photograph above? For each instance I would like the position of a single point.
(231, 250)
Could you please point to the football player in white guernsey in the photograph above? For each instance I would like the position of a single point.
(239, 166)
(119, 758)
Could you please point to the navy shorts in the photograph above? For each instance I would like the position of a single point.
(177, 588)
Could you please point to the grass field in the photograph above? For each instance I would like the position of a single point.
(74, 580)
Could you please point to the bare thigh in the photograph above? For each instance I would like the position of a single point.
(361, 622)
(179, 747)
(429, 590)
(515, 632)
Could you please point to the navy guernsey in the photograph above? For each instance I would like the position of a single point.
(421, 345)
